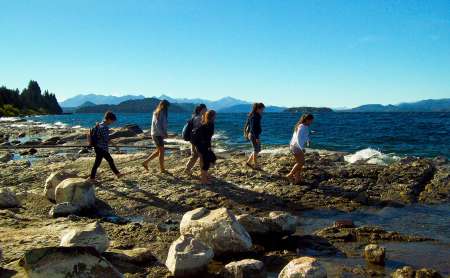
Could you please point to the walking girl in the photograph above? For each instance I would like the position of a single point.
(300, 138)
(202, 137)
(159, 133)
(199, 111)
(252, 133)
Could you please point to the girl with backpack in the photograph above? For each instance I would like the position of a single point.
(194, 123)
(159, 133)
(253, 131)
(201, 138)
(300, 138)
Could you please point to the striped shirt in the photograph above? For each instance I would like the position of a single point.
(103, 136)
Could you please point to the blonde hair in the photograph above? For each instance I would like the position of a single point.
(162, 106)
(208, 116)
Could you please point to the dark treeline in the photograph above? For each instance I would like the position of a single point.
(30, 101)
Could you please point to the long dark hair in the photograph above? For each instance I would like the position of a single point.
(199, 109)
(255, 107)
(162, 106)
(303, 119)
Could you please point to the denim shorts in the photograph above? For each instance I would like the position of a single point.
(159, 141)
(256, 145)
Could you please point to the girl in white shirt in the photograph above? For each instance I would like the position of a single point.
(300, 139)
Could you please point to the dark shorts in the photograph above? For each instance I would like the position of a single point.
(256, 145)
(159, 141)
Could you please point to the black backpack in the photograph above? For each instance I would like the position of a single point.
(93, 136)
(187, 130)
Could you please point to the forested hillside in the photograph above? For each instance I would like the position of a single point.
(30, 101)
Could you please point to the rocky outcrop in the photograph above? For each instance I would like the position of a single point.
(64, 209)
(92, 235)
(188, 257)
(438, 190)
(248, 268)
(130, 130)
(217, 228)
(303, 267)
(8, 199)
(77, 192)
(364, 234)
(374, 254)
(54, 180)
(409, 272)
(67, 262)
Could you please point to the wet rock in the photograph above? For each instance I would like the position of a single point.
(306, 267)
(248, 268)
(64, 209)
(32, 151)
(54, 180)
(409, 272)
(67, 262)
(76, 191)
(217, 228)
(92, 235)
(133, 127)
(438, 189)
(8, 199)
(130, 130)
(282, 222)
(188, 257)
(6, 157)
(21, 135)
(374, 254)
(51, 141)
(403, 181)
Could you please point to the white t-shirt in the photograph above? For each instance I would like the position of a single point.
(300, 137)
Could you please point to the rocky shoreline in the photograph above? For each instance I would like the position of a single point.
(145, 221)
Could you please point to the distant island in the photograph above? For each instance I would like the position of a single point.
(306, 109)
(146, 105)
(428, 105)
(31, 101)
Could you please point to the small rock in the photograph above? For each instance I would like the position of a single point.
(248, 268)
(303, 267)
(427, 273)
(374, 254)
(344, 223)
(76, 191)
(22, 134)
(188, 257)
(67, 262)
(8, 199)
(63, 210)
(217, 228)
(6, 157)
(91, 235)
(405, 272)
(32, 151)
(54, 180)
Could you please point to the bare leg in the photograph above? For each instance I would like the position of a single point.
(296, 170)
(204, 177)
(161, 159)
(192, 160)
(150, 158)
(250, 159)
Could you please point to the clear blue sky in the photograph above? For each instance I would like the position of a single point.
(315, 53)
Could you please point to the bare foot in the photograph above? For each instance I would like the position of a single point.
(290, 178)
(145, 165)
(120, 175)
(249, 165)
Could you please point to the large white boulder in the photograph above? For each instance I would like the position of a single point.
(8, 199)
(54, 180)
(303, 267)
(188, 257)
(374, 254)
(92, 235)
(248, 268)
(282, 222)
(60, 262)
(63, 209)
(77, 191)
(217, 228)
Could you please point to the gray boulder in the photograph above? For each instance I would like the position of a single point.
(64, 209)
(77, 191)
(54, 180)
(248, 268)
(188, 257)
(8, 199)
(92, 235)
(303, 267)
(217, 228)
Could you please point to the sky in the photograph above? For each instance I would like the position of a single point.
(291, 53)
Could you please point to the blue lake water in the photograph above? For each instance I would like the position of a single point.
(418, 134)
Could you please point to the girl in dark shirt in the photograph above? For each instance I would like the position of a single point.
(253, 131)
(202, 137)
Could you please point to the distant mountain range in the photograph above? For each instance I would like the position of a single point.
(429, 105)
(218, 105)
(79, 100)
(245, 108)
(146, 105)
